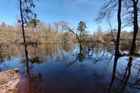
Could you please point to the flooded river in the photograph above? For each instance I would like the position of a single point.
(56, 70)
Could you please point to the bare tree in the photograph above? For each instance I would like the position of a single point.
(26, 14)
(133, 45)
(79, 34)
(107, 10)
(81, 28)
(117, 43)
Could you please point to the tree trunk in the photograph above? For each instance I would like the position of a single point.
(117, 42)
(133, 45)
(24, 37)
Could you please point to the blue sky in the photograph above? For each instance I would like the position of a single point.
(51, 11)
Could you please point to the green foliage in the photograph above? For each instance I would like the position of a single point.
(33, 22)
(81, 26)
(27, 9)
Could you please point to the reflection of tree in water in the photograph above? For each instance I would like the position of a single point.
(32, 82)
(35, 54)
(2, 56)
(36, 60)
(6, 52)
(32, 79)
(67, 44)
(127, 81)
(126, 75)
(51, 49)
(136, 84)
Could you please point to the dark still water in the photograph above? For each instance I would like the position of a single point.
(64, 71)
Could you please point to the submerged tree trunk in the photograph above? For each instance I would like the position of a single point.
(117, 42)
(24, 37)
(133, 45)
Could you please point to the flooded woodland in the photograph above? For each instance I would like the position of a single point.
(61, 57)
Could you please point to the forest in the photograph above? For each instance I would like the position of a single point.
(61, 56)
